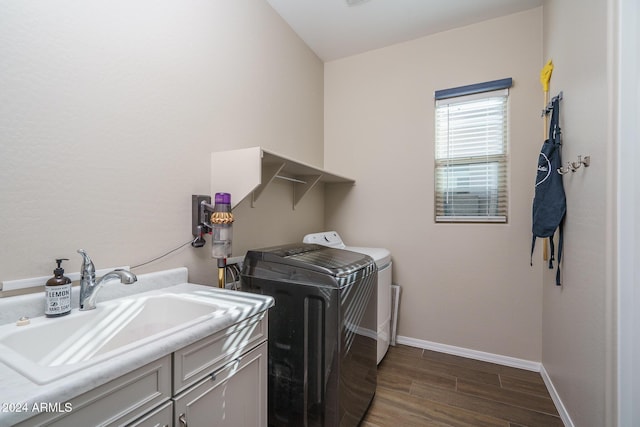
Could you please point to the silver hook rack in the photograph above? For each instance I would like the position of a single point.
(574, 166)
(549, 106)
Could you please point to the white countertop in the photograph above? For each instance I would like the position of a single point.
(19, 392)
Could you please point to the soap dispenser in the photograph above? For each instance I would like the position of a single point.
(58, 293)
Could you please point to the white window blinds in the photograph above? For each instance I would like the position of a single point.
(471, 158)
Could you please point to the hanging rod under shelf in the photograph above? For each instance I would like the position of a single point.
(286, 178)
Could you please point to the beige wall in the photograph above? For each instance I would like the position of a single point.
(109, 113)
(466, 285)
(577, 344)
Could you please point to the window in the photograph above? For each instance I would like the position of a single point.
(471, 153)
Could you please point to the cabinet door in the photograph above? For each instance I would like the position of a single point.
(117, 402)
(234, 395)
(159, 417)
(196, 361)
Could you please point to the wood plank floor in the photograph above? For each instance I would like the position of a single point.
(425, 388)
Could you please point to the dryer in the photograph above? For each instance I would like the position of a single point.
(382, 257)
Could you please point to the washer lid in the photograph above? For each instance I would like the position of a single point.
(381, 256)
(321, 259)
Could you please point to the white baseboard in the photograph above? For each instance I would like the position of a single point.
(471, 354)
(564, 415)
(513, 362)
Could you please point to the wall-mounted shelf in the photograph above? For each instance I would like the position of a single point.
(249, 171)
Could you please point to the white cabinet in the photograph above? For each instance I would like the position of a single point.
(159, 417)
(198, 360)
(116, 403)
(220, 380)
(249, 171)
(234, 395)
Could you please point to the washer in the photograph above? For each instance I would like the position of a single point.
(322, 343)
(382, 257)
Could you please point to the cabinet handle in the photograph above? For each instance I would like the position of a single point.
(183, 420)
(223, 367)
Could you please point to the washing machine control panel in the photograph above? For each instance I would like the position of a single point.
(327, 238)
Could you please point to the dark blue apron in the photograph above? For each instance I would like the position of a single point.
(549, 202)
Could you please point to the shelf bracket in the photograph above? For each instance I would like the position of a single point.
(269, 173)
(300, 189)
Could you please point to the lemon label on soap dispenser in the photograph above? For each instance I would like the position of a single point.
(57, 293)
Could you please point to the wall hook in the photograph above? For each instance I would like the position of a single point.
(549, 106)
(574, 166)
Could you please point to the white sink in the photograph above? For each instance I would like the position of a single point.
(50, 348)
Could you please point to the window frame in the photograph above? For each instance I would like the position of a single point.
(462, 95)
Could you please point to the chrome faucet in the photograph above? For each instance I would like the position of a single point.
(89, 287)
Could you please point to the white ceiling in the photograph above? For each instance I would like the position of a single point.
(339, 28)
